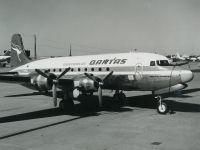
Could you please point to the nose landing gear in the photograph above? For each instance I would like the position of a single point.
(162, 107)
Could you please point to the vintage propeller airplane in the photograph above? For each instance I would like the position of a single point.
(87, 74)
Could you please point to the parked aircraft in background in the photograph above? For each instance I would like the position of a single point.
(194, 58)
(177, 57)
(87, 74)
(184, 57)
(4, 59)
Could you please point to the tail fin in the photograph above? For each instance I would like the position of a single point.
(18, 55)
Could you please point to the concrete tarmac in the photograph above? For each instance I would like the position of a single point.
(29, 121)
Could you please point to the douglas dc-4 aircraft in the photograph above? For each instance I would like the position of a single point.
(87, 74)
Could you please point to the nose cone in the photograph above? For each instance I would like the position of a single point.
(186, 76)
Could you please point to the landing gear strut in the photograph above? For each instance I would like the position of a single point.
(119, 98)
(162, 107)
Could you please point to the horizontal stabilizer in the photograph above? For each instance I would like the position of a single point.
(14, 79)
(9, 73)
(195, 70)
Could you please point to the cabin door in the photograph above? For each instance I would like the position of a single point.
(138, 71)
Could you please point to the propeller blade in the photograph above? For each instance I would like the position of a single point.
(107, 76)
(63, 73)
(100, 96)
(91, 77)
(54, 92)
(42, 74)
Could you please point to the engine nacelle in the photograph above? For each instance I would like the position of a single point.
(170, 89)
(41, 83)
(85, 85)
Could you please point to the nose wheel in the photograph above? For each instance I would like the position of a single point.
(162, 107)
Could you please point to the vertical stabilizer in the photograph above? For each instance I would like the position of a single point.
(18, 55)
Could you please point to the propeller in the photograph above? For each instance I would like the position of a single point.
(54, 81)
(100, 83)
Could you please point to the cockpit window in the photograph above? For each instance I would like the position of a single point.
(162, 62)
(152, 63)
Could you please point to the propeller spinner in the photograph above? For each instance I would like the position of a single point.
(54, 81)
(100, 83)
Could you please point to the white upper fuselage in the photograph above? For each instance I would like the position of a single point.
(92, 61)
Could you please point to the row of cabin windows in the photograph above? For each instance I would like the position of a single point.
(79, 69)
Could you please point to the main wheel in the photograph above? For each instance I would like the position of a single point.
(66, 105)
(162, 108)
(120, 99)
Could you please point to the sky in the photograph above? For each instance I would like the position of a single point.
(102, 26)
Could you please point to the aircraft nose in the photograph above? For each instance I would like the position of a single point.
(186, 75)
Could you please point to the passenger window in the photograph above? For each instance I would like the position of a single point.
(92, 69)
(79, 69)
(85, 69)
(152, 63)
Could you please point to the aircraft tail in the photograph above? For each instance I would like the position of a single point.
(178, 55)
(18, 55)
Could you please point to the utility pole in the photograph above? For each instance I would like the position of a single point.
(35, 52)
(70, 50)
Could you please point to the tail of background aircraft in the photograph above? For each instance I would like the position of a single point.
(18, 55)
(7, 53)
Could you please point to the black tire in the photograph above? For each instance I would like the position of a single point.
(66, 105)
(162, 108)
(119, 99)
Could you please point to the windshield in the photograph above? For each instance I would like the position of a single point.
(162, 62)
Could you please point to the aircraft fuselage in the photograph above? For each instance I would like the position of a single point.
(131, 71)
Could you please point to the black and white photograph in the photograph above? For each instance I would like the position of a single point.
(99, 74)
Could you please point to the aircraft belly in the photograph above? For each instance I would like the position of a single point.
(154, 82)
(144, 83)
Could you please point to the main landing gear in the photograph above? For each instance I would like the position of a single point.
(67, 103)
(119, 98)
(162, 107)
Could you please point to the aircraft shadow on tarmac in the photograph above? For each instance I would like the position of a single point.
(90, 108)
(32, 94)
(89, 105)
(146, 101)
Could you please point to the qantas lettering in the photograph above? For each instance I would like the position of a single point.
(108, 61)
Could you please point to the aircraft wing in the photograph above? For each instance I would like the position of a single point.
(13, 77)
